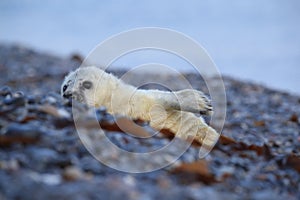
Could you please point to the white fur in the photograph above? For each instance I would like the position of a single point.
(164, 110)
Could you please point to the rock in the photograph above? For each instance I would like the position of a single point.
(47, 179)
(42, 157)
(11, 165)
(73, 173)
(294, 118)
(5, 91)
(90, 164)
(21, 133)
(15, 100)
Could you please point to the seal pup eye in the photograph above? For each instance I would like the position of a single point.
(65, 88)
(87, 84)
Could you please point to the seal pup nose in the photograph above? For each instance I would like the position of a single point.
(67, 94)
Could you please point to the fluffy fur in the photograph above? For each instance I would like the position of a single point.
(164, 110)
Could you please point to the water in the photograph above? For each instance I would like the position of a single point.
(251, 39)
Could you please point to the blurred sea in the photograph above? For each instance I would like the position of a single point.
(250, 39)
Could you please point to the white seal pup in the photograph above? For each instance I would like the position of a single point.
(174, 111)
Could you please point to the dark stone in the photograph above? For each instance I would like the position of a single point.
(24, 130)
(5, 90)
(21, 133)
(15, 101)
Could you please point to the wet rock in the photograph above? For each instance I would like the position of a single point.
(90, 164)
(42, 157)
(47, 179)
(5, 91)
(56, 112)
(11, 165)
(16, 101)
(294, 118)
(73, 173)
(31, 99)
(21, 133)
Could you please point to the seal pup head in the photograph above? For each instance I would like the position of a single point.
(81, 84)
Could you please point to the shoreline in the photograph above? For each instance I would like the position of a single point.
(42, 156)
